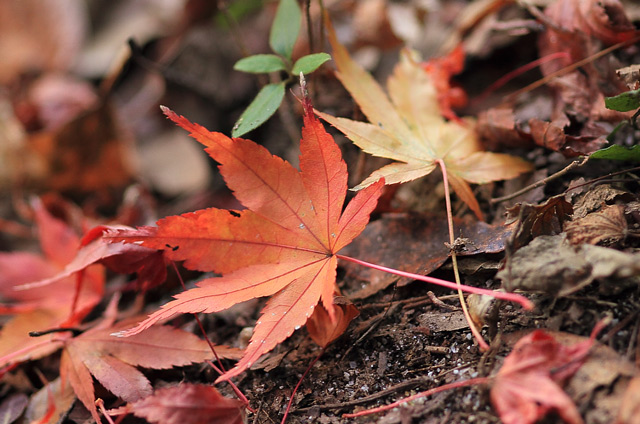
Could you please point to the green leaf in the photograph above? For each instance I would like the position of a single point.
(309, 63)
(260, 63)
(624, 102)
(617, 152)
(285, 28)
(261, 108)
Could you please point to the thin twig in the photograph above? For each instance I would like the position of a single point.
(236, 31)
(604, 178)
(455, 385)
(309, 26)
(405, 385)
(569, 68)
(376, 321)
(454, 260)
(574, 164)
(286, 412)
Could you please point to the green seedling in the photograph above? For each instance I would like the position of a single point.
(282, 38)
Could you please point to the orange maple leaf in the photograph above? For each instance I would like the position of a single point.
(407, 126)
(283, 245)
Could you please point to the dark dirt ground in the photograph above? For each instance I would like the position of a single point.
(409, 336)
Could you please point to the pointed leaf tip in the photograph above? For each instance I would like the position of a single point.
(169, 113)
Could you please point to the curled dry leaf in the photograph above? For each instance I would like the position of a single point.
(551, 265)
(630, 75)
(483, 310)
(322, 329)
(607, 226)
(537, 220)
(407, 126)
(598, 195)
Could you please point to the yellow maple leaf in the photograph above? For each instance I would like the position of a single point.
(407, 126)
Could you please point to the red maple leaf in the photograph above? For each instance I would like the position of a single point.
(283, 245)
(43, 308)
(528, 386)
(113, 361)
(189, 404)
(441, 69)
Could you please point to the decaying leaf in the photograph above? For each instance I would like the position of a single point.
(598, 195)
(408, 127)
(550, 264)
(630, 75)
(598, 386)
(498, 127)
(189, 404)
(607, 226)
(283, 245)
(536, 220)
(322, 329)
(421, 239)
(88, 153)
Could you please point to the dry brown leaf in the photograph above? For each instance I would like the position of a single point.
(551, 265)
(88, 153)
(630, 75)
(607, 226)
(538, 220)
(415, 243)
(598, 195)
